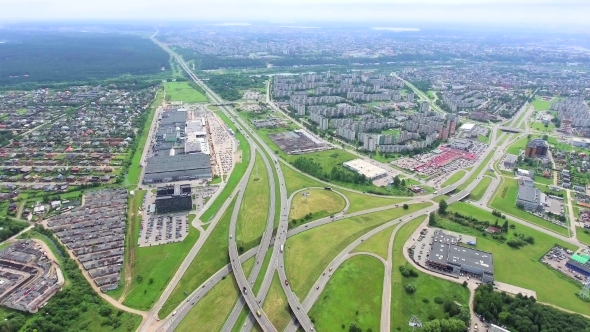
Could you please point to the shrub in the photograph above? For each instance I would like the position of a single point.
(439, 300)
(406, 206)
(410, 288)
(408, 272)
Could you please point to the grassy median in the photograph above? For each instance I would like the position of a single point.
(307, 254)
(352, 295)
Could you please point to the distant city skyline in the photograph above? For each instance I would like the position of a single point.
(549, 14)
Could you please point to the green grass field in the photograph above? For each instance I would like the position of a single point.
(132, 234)
(377, 244)
(521, 267)
(254, 208)
(483, 139)
(210, 313)
(248, 265)
(541, 127)
(403, 305)
(353, 295)
(317, 202)
(276, 306)
(265, 264)
(307, 254)
(182, 91)
(480, 189)
(543, 180)
(156, 265)
(454, 178)
(507, 204)
(295, 180)
(583, 235)
(212, 257)
(358, 202)
(132, 176)
(515, 147)
(540, 105)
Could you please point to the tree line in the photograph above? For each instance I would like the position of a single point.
(228, 86)
(314, 168)
(523, 314)
(45, 57)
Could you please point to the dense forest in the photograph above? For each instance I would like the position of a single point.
(524, 314)
(309, 166)
(228, 86)
(45, 57)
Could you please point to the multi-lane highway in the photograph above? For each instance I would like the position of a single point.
(298, 307)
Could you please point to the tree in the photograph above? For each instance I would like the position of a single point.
(442, 207)
(505, 226)
(410, 288)
(431, 219)
(406, 206)
(396, 181)
(403, 183)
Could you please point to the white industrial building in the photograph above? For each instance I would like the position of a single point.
(362, 167)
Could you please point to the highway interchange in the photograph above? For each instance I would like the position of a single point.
(300, 308)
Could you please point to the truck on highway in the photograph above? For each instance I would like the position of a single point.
(282, 247)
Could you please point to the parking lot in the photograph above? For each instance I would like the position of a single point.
(162, 229)
(159, 229)
(557, 258)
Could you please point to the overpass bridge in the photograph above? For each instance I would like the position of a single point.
(511, 130)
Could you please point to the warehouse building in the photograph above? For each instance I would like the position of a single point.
(177, 168)
(362, 167)
(510, 161)
(579, 264)
(168, 204)
(446, 255)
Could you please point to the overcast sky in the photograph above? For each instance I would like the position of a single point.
(551, 13)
